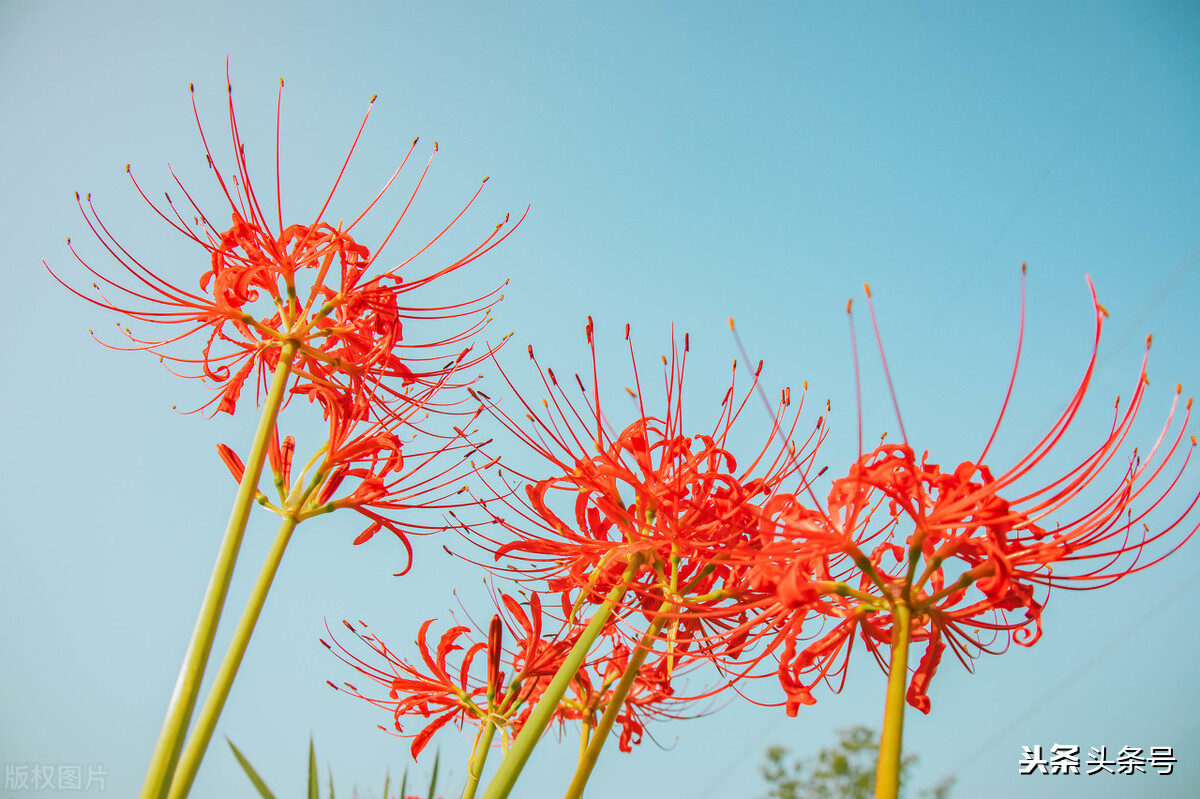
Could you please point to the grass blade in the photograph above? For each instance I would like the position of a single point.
(256, 780)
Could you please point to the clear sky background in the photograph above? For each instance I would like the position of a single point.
(684, 163)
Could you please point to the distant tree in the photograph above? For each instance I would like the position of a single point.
(843, 771)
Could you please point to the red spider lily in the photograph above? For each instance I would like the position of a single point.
(971, 554)
(307, 283)
(650, 490)
(379, 475)
(455, 694)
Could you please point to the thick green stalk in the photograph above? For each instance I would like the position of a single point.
(183, 699)
(887, 777)
(510, 768)
(483, 746)
(206, 722)
(588, 760)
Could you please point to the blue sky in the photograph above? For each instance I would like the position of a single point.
(684, 163)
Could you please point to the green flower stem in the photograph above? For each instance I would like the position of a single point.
(206, 722)
(510, 768)
(588, 760)
(483, 746)
(183, 699)
(887, 777)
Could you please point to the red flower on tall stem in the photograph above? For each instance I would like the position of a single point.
(968, 555)
(305, 283)
(461, 694)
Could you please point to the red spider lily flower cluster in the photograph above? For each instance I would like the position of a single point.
(448, 688)
(462, 693)
(970, 554)
(651, 490)
(307, 283)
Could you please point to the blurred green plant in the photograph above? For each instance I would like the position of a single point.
(314, 789)
(843, 771)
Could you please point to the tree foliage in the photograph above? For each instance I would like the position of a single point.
(843, 771)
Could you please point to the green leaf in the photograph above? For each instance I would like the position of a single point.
(433, 781)
(313, 788)
(263, 791)
(387, 780)
(404, 783)
(331, 796)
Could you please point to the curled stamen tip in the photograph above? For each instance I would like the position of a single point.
(281, 83)
(664, 359)
(731, 323)
(529, 349)
(1149, 339)
(414, 144)
(1179, 388)
(867, 288)
(806, 385)
(487, 178)
(1023, 267)
(229, 87)
(627, 331)
(686, 342)
(1193, 441)
(1188, 405)
(849, 303)
(435, 147)
(630, 392)
(373, 96)
(77, 200)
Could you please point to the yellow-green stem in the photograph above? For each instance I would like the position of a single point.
(183, 698)
(483, 746)
(887, 777)
(510, 767)
(585, 733)
(206, 722)
(588, 760)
